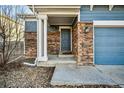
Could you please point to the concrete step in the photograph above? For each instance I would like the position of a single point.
(53, 60)
(53, 64)
(62, 55)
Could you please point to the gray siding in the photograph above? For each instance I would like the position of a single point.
(101, 13)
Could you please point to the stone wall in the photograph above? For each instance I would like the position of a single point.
(30, 44)
(85, 44)
(74, 41)
(53, 42)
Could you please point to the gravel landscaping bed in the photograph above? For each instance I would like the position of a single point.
(20, 76)
(17, 75)
(87, 86)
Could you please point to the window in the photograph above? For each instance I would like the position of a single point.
(30, 26)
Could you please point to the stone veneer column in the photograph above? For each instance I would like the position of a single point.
(79, 43)
(85, 45)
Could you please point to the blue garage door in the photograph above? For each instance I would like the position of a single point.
(109, 46)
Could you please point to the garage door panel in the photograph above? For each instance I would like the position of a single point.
(109, 45)
(110, 32)
(110, 49)
(112, 42)
(108, 60)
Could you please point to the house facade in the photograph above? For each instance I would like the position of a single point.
(93, 34)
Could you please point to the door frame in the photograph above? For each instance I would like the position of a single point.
(104, 24)
(65, 27)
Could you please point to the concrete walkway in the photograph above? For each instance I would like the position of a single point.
(115, 72)
(83, 75)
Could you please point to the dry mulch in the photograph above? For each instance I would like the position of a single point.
(17, 75)
(87, 86)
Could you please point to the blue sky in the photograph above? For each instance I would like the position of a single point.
(25, 8)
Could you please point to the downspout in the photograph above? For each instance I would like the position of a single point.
(33, 9)
(35, 62)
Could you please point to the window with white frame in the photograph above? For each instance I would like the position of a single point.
(30, 26)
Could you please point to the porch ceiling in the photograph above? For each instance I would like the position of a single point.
(60, 20)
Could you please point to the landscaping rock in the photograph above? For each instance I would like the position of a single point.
(2, 83)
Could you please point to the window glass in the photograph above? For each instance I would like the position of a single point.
(30, 26)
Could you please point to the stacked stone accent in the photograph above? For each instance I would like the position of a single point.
(30, 44)
(87, 51)
(74, 41)
(53, 42)
(80, 41)
(85, 44)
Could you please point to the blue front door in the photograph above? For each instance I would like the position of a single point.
(109, 46)
(65, 40)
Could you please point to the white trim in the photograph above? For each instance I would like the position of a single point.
(104, 23)
(39, 46)
(37, 37)
(60, 40)
(59, 13)
(79, 16)
(42, 42)
(24, 38)
(32, 19)
(56, 6)
(42, 58)
(43, 16)
(45, 40)
(93, 45)
(71, 39)
(65, 27)
(33, 9)
(110, 7)
(63, 15)
(91, 7)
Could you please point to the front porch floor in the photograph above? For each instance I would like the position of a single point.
(53, 60)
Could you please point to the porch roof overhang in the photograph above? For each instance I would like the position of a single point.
(55, 9)
(57, 14)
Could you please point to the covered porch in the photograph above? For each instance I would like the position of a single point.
(52, 49)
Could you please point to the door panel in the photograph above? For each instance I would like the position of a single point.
(65, 40)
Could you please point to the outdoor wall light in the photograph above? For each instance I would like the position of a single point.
(87, 29)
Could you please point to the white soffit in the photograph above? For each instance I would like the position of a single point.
(58, 9)
(55, 6)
